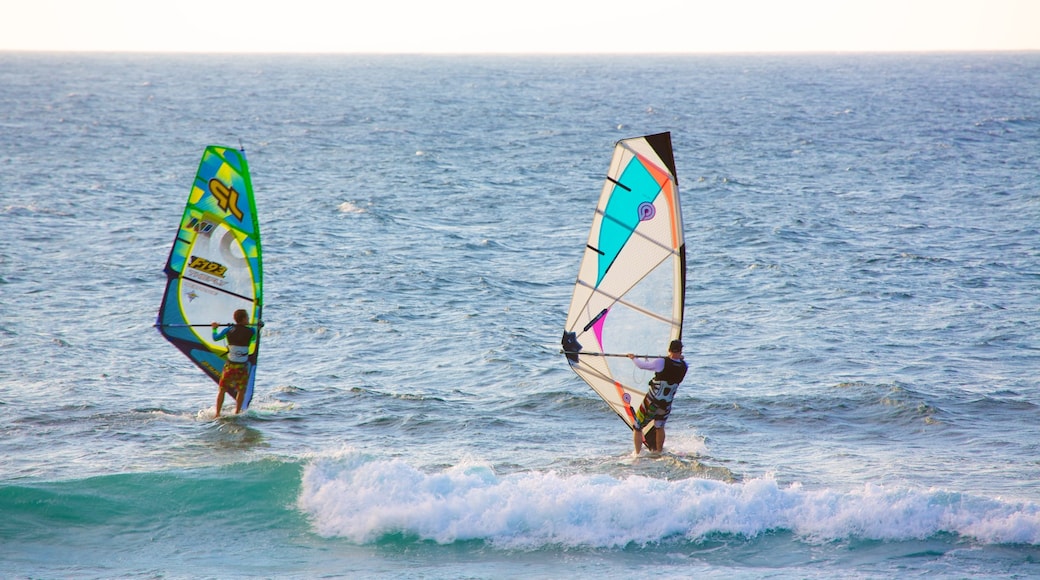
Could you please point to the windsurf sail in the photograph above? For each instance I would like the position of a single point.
(631, 285)
(214, 266)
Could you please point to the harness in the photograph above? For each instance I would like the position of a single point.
(238, 339)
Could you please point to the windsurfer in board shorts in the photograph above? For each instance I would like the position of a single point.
(235, 375)
(657, 404)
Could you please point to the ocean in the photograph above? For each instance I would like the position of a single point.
(861, 314)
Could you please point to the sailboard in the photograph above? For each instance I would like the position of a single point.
(631, 287)
(215, 264)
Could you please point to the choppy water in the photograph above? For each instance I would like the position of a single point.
(863, 244)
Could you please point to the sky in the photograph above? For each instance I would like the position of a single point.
(524, 26)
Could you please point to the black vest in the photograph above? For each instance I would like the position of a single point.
(239, 335)
(673, 372)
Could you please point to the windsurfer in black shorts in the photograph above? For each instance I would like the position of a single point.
(235, 376)
(657, 404)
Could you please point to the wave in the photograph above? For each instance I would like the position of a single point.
(366, 499)
(370, 500)
(237, 495)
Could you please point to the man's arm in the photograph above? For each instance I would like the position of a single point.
(219, 335)
(648, 364)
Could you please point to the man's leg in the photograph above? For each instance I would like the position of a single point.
(659, 439)
(239, 398)
(220, 398)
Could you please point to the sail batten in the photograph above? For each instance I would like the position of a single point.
(631, 285)
(214, 266)
(622, 301)
(673, 247)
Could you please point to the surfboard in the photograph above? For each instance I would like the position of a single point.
(215, 266)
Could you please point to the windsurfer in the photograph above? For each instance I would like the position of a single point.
(657, 404)
(235, 377)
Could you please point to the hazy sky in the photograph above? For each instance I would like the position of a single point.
(525, 26)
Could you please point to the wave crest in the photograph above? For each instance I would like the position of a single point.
(366, 499)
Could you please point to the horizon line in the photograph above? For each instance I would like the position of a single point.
(790, 52)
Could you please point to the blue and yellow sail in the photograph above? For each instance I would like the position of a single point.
(630, 292)
(215, 264)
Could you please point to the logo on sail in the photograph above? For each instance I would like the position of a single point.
(207, 267)
(646, 211)
(200, 226)
(227, 197)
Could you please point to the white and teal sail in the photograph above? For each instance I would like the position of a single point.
(631, 286)
(215, 264)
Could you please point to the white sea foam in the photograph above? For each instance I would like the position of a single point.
(351, 207)
(363, 499)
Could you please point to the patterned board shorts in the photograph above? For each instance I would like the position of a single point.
(235, 377)
(652, 409)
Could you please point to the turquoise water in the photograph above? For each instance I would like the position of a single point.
(862, 242)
